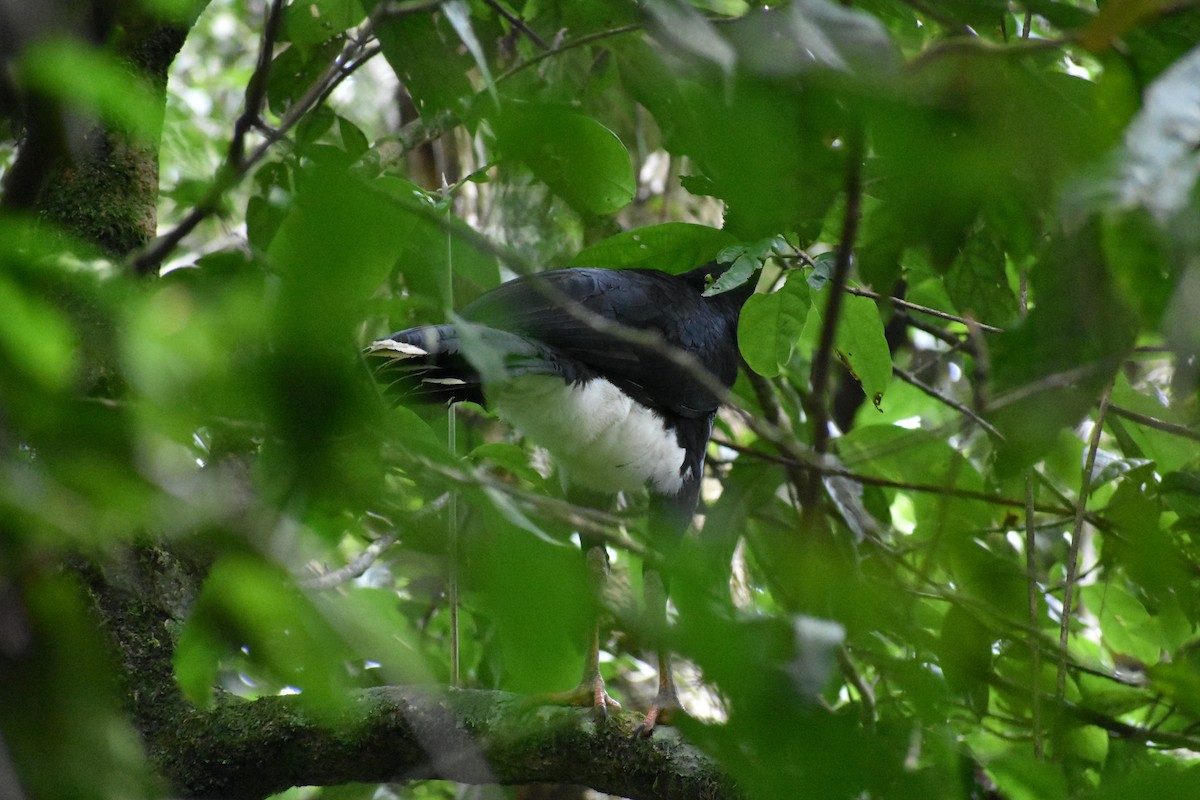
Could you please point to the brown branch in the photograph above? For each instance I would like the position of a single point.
(256, 88)
(564, 47)
(253, 749)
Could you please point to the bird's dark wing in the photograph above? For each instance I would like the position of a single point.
(545, 308)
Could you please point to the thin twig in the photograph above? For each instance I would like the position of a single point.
(1032, 591)
(810, 463)
(961, 408)
(819, 380)
(517, 23)
(354, 569)
(1085, 486)
(933, 312)
(1154, 422)
(774, 414)
(565, 46)
(952, 341)
(866, 695)
(592, 522)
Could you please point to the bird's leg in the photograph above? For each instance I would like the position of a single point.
(666, 703)
(590, 691)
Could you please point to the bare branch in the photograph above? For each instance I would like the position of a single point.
(360, 564)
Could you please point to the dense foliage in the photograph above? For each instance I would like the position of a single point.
(951, 543)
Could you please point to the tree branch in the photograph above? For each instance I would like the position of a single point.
(247, 751)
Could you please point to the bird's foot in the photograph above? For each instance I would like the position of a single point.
(590, 692)
(658, 715)
(666, 707)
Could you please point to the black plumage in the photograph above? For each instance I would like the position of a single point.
(617, 373)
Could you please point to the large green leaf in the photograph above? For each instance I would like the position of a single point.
(859, 342)
(771, 324)
(580, 159)
(671, 247)
(432, 70)
(249, 608)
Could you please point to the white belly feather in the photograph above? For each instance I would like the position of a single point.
(596, 433)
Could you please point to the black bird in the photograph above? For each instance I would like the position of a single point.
(618, 374)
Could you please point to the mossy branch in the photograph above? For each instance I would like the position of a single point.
(250, 750)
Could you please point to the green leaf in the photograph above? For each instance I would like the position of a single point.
(247, 605)
(739, 273)
(1087, 742)
(809, 35)
(459, 16)
(1125, 624)
(771, 324)
(1048, 369)
(671, 247)
(1020, 776)
(66, 726)
(859, 343)
(578, 158)
(507, 456)
(965, 655)
(538, 632)
(978, 283)
(35, 338)
(432, 70)
(1165, 779)
(1178, 682)
(310, 22)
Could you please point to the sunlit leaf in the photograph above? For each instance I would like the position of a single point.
(459, 15)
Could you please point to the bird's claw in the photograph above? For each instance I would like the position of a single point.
(657, 715)
(586, 694)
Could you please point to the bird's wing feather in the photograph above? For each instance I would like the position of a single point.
(545, 308)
